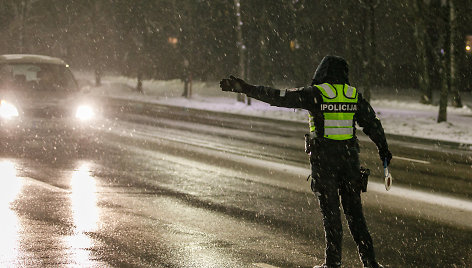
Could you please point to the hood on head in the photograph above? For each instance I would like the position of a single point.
(333, 70)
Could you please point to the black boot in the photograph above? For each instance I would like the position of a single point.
(372, 264)
(327, 266)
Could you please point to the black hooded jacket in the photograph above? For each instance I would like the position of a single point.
(332, 70)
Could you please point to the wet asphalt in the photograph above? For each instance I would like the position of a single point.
(170, 187)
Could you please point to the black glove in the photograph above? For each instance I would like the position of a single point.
(385, 155)
(233, 84)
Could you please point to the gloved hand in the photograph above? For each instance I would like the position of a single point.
(233, 84)
(385, 155)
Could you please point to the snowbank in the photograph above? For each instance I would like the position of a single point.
(399, 112)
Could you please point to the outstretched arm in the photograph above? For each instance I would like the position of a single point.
(296, 98)
(372, 127)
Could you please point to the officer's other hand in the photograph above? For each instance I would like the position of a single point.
(385, 155)
(233, 84)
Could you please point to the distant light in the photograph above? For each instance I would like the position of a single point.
(294, 45)
(173, 40)
(468, 43)
(84, 113)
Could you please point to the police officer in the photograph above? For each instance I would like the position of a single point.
(334, 106)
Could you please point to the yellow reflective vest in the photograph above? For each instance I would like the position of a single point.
(338, 108)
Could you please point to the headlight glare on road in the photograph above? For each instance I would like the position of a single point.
(84, 113)
(7, 110)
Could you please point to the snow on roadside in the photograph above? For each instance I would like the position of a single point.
(400, 114)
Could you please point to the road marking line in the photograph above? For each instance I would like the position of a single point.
(412, 160)
(423, 196)
(264, 265)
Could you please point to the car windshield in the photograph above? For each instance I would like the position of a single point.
(36, 76)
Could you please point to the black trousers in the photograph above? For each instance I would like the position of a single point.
(336, 175)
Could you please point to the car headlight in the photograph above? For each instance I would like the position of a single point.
(7, 110)
(84, 113)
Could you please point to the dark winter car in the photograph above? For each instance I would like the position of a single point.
(39, 95)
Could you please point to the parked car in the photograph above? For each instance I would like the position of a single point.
(40, 91)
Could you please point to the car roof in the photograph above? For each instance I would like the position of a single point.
(30, 58)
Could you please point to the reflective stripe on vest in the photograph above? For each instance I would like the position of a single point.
(337, 123)
(311, 122)
(350, 92)
(339, 131)
(327, 90)
(338, 108)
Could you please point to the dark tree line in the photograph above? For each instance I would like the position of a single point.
(394, 43)
(440, 31)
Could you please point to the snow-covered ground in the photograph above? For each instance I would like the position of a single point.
(398, 110)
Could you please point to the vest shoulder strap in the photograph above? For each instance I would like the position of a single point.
(350, 92)
(327, 91)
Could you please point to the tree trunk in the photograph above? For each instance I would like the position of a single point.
(369, 45)
(454, 43)
(445, 70)
(421, 48)
(240, 44)
(23, 12)
(98, 77)
(139, 85)
(96, 44)
(372, 42)
(442, 115)
(248, 73)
